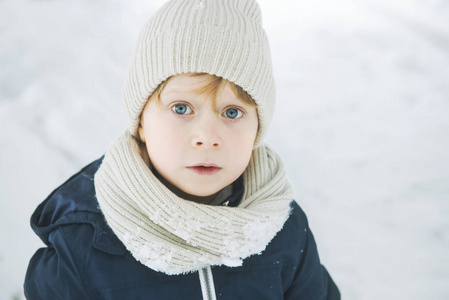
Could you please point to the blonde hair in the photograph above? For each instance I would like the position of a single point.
(213, 85)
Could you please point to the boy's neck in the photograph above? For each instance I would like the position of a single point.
(182, 194)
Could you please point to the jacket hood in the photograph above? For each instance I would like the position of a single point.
(74, 202)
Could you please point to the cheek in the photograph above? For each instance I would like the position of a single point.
(252, 127)
(242, 148)
(159, 129)
(164, 140)
(247, 135)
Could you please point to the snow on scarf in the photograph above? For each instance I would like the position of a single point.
(169, 234)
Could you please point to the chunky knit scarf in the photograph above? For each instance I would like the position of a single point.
(172, 235)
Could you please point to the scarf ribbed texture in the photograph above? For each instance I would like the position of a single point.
(172, 235)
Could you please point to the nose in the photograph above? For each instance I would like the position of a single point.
(207, 135)
(207, 140)
(200, 143)
(206, 144)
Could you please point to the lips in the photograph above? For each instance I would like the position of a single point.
(204, 169)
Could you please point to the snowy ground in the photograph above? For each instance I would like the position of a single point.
(361, 123)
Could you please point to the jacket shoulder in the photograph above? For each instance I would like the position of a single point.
(311, 279)
(285, 248)
(74, 202)
(294, 231)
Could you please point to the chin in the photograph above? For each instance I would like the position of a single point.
(199, 189)
(202, 193)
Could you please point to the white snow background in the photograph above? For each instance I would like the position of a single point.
(362, 124)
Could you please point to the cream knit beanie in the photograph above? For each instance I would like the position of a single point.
(220, 37)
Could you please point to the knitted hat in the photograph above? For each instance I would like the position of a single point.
(220, 37)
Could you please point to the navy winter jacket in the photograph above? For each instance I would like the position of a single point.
(83, 259)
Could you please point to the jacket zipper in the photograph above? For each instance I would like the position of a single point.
(207, 283)
(206, 278)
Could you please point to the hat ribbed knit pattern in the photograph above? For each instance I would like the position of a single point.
(220, 37)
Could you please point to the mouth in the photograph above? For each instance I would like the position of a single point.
(204, 169)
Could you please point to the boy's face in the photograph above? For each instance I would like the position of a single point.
(196, 148)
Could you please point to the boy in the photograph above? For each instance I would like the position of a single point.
(187, 203)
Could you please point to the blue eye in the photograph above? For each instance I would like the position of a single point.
(233, 113)
(182, 109)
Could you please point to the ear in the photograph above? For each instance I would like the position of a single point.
(141, 133)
